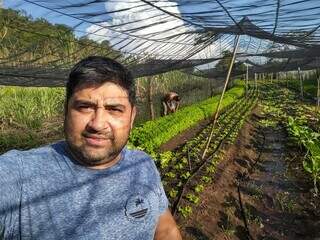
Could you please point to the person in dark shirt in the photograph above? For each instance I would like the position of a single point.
(170, 103)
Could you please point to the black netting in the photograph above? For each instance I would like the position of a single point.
(154, 37)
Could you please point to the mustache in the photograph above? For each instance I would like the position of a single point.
(99, 135)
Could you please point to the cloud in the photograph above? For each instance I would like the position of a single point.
(138, 28)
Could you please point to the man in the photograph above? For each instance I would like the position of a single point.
(170, 103)
(89, 186)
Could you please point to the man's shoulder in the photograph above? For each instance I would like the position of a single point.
(141, 161)
(137, 153)
(38, 152)
(137, 156)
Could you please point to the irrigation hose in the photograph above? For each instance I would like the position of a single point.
(244, 218)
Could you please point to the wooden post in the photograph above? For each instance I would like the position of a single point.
(137, 85)
(247, 79)
(255, 81)
(221, 97)
(318, 95)
(301, 83)
(149, 96)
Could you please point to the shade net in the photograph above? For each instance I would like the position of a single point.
(155, 37)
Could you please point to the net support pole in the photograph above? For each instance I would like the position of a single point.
(255, 81)
(216, 115)
(247, 79)
(318, 94)
(301, 83)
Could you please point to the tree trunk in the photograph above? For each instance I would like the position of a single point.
(149, 96)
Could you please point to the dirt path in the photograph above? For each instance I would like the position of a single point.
(258, 192)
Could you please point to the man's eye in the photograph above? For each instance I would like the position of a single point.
(85, 108)
(116, 109)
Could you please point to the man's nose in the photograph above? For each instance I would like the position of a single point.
(99, 120)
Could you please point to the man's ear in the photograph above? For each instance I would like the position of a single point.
(133, 115)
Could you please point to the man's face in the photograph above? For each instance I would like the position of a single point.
(97, 123)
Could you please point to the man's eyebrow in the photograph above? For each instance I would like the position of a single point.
(114, 105)
(92, 103)
(82, 101)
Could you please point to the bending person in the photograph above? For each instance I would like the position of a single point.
(170, 103)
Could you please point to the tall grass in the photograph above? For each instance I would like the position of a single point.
(30, 117)
(30, 107)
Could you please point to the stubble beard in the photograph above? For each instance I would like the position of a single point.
(91, 156)
(94, 157)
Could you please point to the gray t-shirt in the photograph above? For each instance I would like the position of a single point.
(44, 194)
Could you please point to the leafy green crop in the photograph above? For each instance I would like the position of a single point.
(150, 135)
(199, 188)
(311, 141)
(193, 198)
(185, 211)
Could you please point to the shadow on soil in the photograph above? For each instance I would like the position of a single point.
(196, 233)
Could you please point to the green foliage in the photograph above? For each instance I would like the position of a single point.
(165, 158)
(301, 133)
(309, 86)
(29, 138)
(223, 64)
(185, 211)
(30, 107)
(150, 135)
(206, 179)
(199, 188)
(173, 193)
(193, 198)
(179, 166)
(210, 169)
(186, 175)
(311, 141)
(170, 174)
(26, 39)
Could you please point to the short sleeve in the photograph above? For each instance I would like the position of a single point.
(163, 200)
(10, 189)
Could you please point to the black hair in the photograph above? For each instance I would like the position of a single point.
(98, 70)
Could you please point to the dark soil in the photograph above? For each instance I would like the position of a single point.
(184, 136)
(260, 191)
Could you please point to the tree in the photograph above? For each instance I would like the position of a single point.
(223, 64)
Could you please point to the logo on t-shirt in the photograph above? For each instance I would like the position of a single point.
(137, 207)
